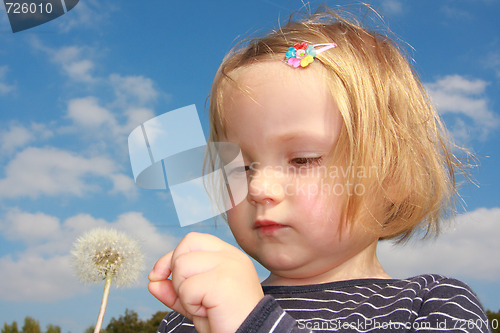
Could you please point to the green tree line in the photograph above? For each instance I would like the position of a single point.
(127, 323)
(31, 325)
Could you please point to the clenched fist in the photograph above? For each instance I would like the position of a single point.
(209, 281)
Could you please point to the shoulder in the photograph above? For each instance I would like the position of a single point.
(448, 302)
(434, 286)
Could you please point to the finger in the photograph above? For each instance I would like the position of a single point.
(201, 324)
(193, 263)
(165, 293)
(195, 241)
(193, 293)
(162, 268)
(160, 286)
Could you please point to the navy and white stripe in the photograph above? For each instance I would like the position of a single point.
(423, 303)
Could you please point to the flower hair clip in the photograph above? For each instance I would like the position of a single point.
(302, 54)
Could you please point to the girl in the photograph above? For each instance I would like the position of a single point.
(342, 148)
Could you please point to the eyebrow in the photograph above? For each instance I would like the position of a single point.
(301, 135)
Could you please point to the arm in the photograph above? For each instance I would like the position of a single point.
(268, 316)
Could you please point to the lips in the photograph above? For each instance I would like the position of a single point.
(268, 227)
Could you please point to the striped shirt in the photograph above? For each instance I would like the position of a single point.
(423, 303)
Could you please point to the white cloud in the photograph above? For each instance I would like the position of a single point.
(460, 97)
(456, 84)
(30, 228)
(104, 120)
(392, 7)
(43, 271)
(5, 88)
(36, 279)
(74, 60)
(133, 89)
(99, 124)
(79, 70)
(124, 184)
(154, 244)
(18, 136)
(87, 113)
(50, 171)
(77, 63)
(468, 250)
(135, 117)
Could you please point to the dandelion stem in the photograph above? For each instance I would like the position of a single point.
(105, 294)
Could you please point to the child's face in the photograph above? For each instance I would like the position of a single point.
(285, 128)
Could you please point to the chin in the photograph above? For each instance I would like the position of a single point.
(276, 262)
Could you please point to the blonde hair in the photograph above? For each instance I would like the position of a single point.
(389, 121)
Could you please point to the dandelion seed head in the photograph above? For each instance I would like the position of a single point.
(103, 252)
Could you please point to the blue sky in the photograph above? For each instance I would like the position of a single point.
(72, 90)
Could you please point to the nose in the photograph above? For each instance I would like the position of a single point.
(266, 186)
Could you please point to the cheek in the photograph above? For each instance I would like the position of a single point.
(234, 221)
(233, 215)
(238, 220)
(318, 195)
(237, 217)
(322, 212)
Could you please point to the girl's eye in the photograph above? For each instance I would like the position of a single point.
(307, 161)
(240, 169)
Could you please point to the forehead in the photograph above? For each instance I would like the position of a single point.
(278, 99)
(277, 74)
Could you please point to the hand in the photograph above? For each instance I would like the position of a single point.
(213, 283)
